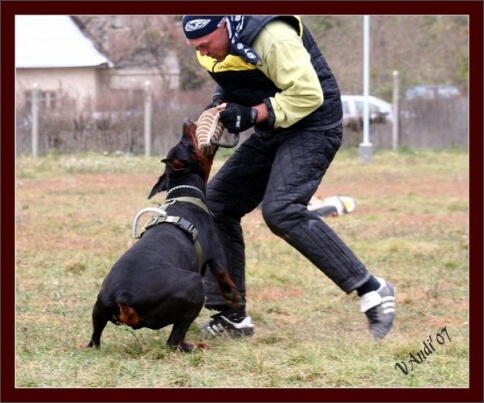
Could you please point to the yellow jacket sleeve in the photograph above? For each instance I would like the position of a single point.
(286, 62)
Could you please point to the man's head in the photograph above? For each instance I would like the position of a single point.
(208, 33)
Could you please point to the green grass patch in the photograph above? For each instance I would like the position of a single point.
(73, 220)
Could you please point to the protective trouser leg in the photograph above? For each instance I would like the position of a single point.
(285, 171)
(298, 167)
(236, 189)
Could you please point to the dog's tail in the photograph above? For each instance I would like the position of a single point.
(127, 314)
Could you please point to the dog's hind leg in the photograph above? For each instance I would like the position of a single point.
(177, 337)
(99, 322)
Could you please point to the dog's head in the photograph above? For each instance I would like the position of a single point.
(183, 159)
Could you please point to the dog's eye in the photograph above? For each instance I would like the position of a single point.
(177, 164)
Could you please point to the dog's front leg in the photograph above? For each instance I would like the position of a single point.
(227, 288)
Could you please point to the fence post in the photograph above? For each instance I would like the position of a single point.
(366, 148)
(35, 120)
(396, 113)
(148, 115)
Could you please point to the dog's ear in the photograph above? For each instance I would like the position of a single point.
(159, 186)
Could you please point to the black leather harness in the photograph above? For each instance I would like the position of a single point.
(162, 217)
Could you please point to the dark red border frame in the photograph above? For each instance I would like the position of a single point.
(10, 8)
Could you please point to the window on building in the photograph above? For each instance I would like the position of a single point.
(47, 99)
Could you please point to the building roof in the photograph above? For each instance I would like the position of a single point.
(43, 41)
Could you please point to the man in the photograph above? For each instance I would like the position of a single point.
(333, 206)
(271, 76)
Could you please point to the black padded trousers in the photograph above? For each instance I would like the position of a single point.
(282, 172)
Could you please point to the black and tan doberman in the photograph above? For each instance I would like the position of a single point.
(158, 280)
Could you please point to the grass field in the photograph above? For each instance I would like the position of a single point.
(411, 226)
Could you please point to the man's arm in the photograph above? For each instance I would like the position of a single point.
(287, 63)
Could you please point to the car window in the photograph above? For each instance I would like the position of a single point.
(346, 107)
(448, 91)
(359, 106)
(374, 108)
(431, 92)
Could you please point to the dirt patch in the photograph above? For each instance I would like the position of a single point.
(113, 200)
(93, 182)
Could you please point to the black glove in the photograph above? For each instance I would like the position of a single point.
(237, 118)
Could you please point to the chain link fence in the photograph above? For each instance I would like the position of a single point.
(436, 124)
(119, 129)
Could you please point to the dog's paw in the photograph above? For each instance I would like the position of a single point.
(234, 300)
(189, 347)
(237, 305)
(88, 345)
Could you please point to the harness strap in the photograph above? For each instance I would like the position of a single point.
(194, 200)
(180, 222)
(184, 225)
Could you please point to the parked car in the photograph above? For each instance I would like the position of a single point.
(418, 100)
(431, 92)
(380, 111)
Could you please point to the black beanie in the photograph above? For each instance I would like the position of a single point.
(197, 26)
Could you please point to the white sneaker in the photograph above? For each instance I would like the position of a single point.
(379, 308)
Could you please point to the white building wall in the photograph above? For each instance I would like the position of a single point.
(78, 83)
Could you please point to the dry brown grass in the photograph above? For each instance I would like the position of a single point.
(74, 215)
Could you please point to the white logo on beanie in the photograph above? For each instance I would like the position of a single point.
(195, 25)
